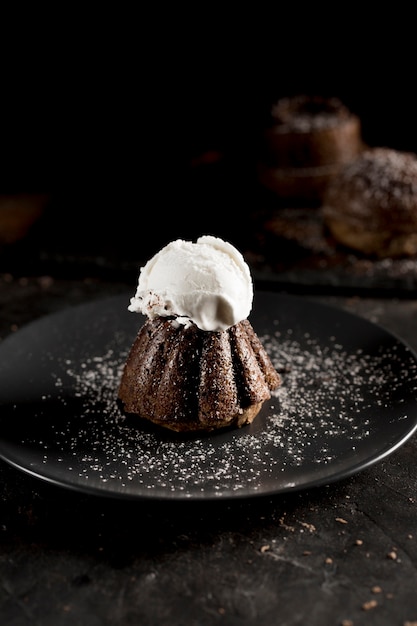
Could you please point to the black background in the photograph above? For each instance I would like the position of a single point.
(111, 112)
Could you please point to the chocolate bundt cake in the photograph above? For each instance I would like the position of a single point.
(196, 363)
(187, 379)
(371, 206)
(306, 142)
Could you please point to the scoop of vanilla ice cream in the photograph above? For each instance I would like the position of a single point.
(207, 282)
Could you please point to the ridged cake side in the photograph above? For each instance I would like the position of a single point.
(186, 379)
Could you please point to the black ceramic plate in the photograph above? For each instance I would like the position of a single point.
(348, 399)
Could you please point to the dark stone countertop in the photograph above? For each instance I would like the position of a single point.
(340, 554)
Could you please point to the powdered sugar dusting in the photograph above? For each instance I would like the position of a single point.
(304, 114)
(379, 180)
(326, 408)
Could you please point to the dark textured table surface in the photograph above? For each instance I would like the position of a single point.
(340, 554)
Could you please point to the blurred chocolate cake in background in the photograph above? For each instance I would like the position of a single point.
(336, 211)
(306, 142)
(371, 205)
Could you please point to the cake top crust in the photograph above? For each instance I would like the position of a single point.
(304, 113)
